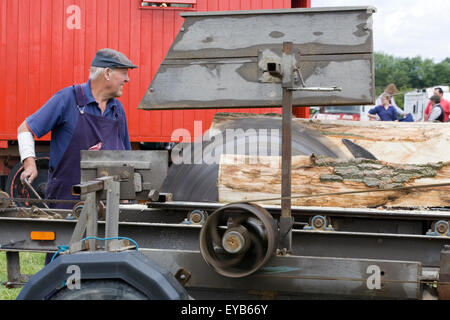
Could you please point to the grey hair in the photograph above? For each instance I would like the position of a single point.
(95, 72)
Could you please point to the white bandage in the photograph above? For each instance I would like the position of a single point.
(26, 145)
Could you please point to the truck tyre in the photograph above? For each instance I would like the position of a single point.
(100, 290)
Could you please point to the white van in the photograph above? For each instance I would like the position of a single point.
(416, 101)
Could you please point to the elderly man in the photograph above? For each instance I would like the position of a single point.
(444, 104)
(437, 112)
(80, 117)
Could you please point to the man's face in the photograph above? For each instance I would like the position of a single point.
(438, 93)
(118, 78)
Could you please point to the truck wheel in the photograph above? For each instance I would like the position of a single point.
(100, 290)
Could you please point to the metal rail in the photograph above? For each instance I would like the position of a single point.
(329, 211)
(15, 236)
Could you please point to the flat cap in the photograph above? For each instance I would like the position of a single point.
(109, 58)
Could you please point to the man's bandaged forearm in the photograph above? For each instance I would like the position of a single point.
(26, 145)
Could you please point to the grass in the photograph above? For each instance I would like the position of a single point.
(30, 263)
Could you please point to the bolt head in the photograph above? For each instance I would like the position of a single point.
(318, 223)
(442, 228)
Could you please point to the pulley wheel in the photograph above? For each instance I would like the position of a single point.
(78, 207)
(238, 239)
(16, 189)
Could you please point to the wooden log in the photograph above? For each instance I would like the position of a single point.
(248, 178)
(396, 142)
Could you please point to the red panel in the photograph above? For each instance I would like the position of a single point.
(235, 5)
(3, 32)
(40, 55)
(45, 61)
(102, 24)
(157, 58)
(124, 42)
(34, 57)
(256, 4)
(246, 5)
(145, 67)
(113, 24)
(23, 61)
(301, 112)
(90, 22)
(301, 3)
(58, 23)
(12, 18)
(68, 46)
(172, 1)
(135, 55)
(79, 72)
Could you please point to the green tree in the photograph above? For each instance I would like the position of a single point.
(409, 73)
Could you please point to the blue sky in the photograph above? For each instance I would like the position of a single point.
(406, 28)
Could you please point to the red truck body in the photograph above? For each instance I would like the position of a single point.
(47, 45)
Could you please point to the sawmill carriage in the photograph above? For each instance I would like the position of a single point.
(151, 230)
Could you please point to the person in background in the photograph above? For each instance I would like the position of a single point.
(437, 112)
(392, 90)
(445, 104)
(385, 111)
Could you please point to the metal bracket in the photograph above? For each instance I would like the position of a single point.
(196, 216)
(125, 175)
(183, 276)
(319, 223)
(441, 229)
(87, 222)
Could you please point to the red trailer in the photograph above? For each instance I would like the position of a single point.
(49, 44)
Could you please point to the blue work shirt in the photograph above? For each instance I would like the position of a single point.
(385, 115)
(60, 116)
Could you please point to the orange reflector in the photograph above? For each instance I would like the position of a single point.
(42, 235)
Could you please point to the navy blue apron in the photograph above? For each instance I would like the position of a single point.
(91, 133)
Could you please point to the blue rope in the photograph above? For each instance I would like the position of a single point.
(61, 250)
(65, 248)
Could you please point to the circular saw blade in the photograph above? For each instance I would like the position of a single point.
(196, 181)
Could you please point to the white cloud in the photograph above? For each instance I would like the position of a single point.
(406, 28)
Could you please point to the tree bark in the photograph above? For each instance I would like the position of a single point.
(247, 178)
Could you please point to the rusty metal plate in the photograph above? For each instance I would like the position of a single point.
(221, 59)
(314, 31)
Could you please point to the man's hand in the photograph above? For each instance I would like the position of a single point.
(30, 170)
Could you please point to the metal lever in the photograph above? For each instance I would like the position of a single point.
(316, 89)
(312, 89)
